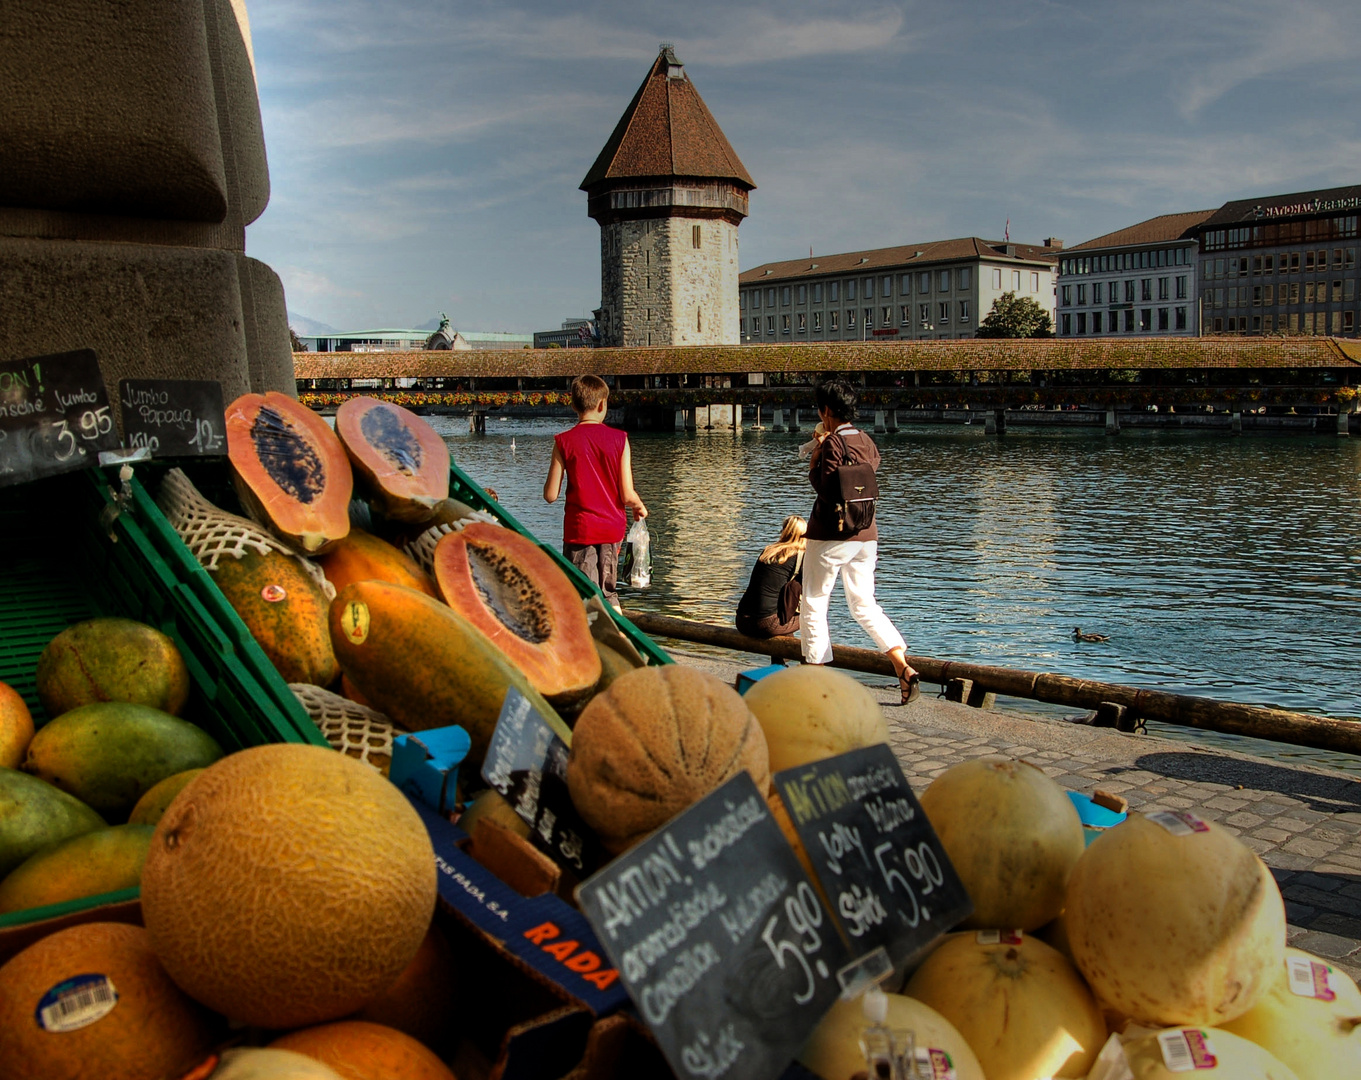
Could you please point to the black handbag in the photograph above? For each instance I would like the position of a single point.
(790, 593)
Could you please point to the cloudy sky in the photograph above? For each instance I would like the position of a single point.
(425, 154)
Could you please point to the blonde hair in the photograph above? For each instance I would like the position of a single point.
(791, 540)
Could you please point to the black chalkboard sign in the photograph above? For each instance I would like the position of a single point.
(880, 863)
(54, 416)
(527, 763)
(173, 417)
(719, 937)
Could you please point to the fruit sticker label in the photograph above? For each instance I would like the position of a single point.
(1308, 978)
(1186, 1050)
(354, 622)
(999, 937)
(1179, 822)
(76, 1003)
(935, 1063)
(272, 594)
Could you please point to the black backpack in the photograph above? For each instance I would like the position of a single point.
(851, 489)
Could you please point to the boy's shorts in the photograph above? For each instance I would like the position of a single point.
(599, 562)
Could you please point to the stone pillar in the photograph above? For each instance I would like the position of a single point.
(758, 425)
(879, 427)
(1236, 423)
(995, 422)
(892, 420)
(1344, 416)
(680, 420)
(777, 420)
(736, 418)
(794, 419)
(1112, 423)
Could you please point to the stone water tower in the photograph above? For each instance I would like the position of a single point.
(669, 193)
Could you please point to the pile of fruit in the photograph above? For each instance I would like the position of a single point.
(288, 892)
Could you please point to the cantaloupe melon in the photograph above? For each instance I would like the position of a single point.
(1212, 1053)
(423, 1002)
(1311, 1022)
(1175, 925)
(658, 740)
(92, 1002)
(1022, 1007)
(16, 727)
(288, 885)
(360, 1050)
(811, 712)
(1012, 836)
(833, 1050)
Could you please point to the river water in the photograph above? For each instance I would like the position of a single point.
(1221, 566)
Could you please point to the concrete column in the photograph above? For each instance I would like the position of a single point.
(794, 418)
(1344, 416)
(892, 420)
(680, 420)
(879, 427)
(995, 422)
(1112, 423)
(1236, 424)
(691, 419)
(736, 418)
(777, 420)
(758, 425)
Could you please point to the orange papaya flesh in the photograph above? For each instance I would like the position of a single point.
(290, 471)
(361, 556)
(399, 457)
(424, 666)
(286, 612)
(510, 589)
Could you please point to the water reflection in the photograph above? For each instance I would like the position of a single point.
(1217, 566)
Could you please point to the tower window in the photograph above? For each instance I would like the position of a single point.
(699, 315)
(694, 235)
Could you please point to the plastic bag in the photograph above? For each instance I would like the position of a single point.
(635, 556)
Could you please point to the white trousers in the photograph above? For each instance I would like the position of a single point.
(854, 560)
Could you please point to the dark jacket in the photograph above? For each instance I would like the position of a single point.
(762, 597)
(850, 444)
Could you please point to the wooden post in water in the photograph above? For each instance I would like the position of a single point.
(1344, 416)
(892, 421)
(1254, 721)
(1112, 423)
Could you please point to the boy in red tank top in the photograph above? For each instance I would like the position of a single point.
(595, 462)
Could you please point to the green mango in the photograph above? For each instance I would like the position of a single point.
(34, 814)
(97, 862)
(110, 754)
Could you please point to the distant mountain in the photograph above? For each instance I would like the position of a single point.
(305, 327)
(429, 324)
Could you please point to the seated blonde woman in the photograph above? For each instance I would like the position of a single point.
(760, 613)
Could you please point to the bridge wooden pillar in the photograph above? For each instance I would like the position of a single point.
(680, 424)
(737, 418)
(995, 423)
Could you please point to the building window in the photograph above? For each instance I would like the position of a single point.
(1218, 326)
(817, 322)
(1181, 287)
(1081, 322)
(850, 319)
(784, 296)
(1129, 320)
(756, 299)
(1066, 295)
(1145, 320)
(1351, 259)
(1163, 322)
(784, 324)
(770, 297)
(869, 318)
(886, 287)
(1129, 292)
(964, 276)
(1348, 322)
(817, 292)
(1308, 262)
(1267, 291)
(924, 282)
(1145, 288)
(1256, 296)
(869, 288)
(1015, 281)
(885, 316)
(1035, 281)
(964, 311)
(1308, 292)
(742, 301)
(1067, 323)
(1082, 294)
(1348, 290)
(850, 290)
(924, 315)
(803, 294)
(905, 314)
(905, 285)
(1096, 292)
(834, 291)
(803, 322)
(1096, 322)
(1164, 288)
(834, 320)
(944, 312)
(694, 235)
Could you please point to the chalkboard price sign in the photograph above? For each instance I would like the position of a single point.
(54, 416)
(527, 763)
(719, 937)
(881, 864)
(174, 417)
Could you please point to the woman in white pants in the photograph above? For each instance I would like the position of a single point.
(837, 543)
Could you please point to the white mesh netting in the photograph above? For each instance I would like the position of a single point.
(211, 533)
(422, 549)
(351, 728)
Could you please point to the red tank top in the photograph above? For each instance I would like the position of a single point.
(593, 454)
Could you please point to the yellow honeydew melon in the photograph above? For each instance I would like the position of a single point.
(1012, 835)
(810, 712)
(1022, 1008)
(267, 1063)
(1174, 929)
(1235, 1059)
(1318, 1038)
(833, 1050)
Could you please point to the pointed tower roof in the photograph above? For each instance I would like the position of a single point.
(666, 131)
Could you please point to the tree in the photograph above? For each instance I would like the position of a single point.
(1015, 316)
(298, 345)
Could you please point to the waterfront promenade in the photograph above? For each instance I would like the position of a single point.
(1304, 822)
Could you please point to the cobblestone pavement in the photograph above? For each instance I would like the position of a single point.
(1304, 822)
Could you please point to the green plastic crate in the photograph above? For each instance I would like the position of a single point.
(463, 488)
(59, 565)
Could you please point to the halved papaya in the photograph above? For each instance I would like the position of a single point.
(398, 456)
(510, 589)
(361, 556)
(290, 471)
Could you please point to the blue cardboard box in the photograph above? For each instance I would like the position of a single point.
(747, 679)
(425, 765)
